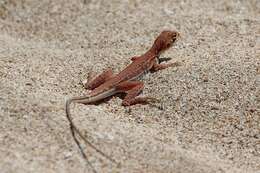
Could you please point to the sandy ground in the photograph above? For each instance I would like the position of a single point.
(208, 119)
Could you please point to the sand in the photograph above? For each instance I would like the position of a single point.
(208, 119)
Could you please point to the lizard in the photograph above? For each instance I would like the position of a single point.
(107, 84)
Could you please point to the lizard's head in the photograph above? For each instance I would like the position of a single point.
(165, 40)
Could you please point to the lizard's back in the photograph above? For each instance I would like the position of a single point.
(133, 71)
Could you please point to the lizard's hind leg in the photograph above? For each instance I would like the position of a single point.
(132, 89)
(92, 83)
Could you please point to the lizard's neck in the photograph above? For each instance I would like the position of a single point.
(156, 49)
(151, 54)
(153, 51)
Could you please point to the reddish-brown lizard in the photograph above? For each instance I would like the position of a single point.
(107, 84)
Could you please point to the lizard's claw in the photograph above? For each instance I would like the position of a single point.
(153, 102)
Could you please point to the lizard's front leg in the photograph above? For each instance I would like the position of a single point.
(157, 67)
(97, 81)
(132, 90)
(160, 60)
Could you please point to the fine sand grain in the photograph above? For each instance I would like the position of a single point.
(208, 119)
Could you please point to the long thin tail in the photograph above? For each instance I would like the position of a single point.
(74, 129)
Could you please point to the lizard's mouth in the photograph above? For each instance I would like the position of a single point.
(175, 37)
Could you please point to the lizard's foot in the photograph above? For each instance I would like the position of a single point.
(90, 77)
(152, 100)
(157, 67)
(140, 100)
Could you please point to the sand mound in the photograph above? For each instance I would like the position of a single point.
(207, 121)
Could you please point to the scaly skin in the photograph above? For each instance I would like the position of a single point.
(106, 85)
